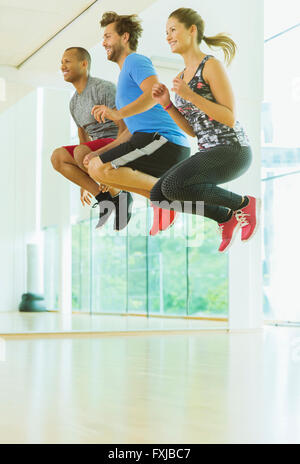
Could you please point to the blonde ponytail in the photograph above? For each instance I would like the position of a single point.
(226, 43)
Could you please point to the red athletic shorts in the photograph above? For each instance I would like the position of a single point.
(93, 145)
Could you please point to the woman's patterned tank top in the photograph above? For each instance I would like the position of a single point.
(209, 132)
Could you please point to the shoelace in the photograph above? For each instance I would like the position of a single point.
(241, 218)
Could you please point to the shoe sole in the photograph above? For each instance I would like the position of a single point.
(237, 228)
(257, 212)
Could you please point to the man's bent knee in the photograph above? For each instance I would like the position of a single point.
(56, 158)
(79, 153)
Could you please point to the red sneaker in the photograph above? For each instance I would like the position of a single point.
(166, 219)
(248, 218)
(156, 220)
(228, 231)
(162, 219)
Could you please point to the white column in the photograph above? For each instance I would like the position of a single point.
(245, 261)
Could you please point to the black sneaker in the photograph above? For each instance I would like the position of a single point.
(106, 207)
(123, 203)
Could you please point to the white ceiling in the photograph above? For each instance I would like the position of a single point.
(26, 26)
(280, 16)
(25, 30)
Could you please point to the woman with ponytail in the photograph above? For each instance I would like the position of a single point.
(204, 108)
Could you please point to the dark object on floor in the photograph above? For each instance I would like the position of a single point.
(31, 302)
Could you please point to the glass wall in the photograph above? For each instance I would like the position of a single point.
(81, 266)
(51, 267)
(281, 161)
(177, 272)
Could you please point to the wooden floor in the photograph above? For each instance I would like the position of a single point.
(210, 387)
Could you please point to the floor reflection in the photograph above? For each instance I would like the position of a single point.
(16, 322)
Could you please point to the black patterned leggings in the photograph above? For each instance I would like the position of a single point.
(197, 178)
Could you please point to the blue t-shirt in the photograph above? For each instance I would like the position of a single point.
(135, 70)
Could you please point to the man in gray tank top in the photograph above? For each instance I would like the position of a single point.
(68, 160)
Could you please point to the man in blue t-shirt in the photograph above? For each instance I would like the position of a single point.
(152, 143)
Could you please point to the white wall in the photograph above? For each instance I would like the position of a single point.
(56, 133)
(18, 208)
